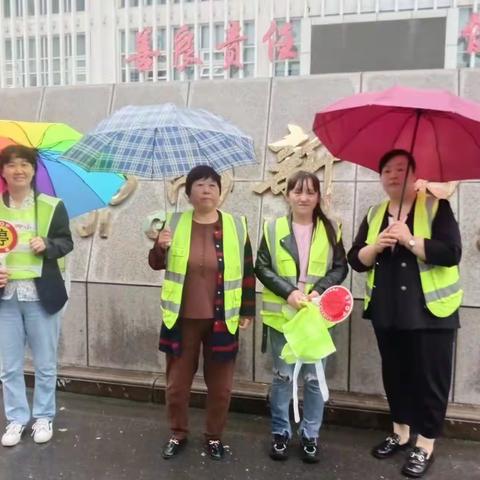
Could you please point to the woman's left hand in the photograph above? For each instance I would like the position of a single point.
(37, 244)
(401, 232)
(244, 322)
(313, 294)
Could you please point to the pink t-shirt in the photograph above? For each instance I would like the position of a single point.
(303, 237)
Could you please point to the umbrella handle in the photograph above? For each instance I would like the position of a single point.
(418, 114)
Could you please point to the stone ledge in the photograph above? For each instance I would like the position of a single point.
(344, 408)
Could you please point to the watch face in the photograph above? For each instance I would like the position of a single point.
(411, 242)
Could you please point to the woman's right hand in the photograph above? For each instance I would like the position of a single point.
(296, 299)
(384, 240)
(3, 277)
(164, 239)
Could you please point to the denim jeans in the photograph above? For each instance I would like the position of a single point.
(282, 392)
(22, 323)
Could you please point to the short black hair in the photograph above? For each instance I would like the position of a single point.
(397, 152)
(19, 151)
(202, 172)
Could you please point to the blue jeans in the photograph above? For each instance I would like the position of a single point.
(282, 392)
(21, 323)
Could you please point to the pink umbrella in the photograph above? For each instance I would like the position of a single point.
(441, 129)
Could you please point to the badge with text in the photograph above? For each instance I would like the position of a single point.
(8, 237)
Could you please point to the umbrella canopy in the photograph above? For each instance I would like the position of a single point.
(440, 129)
(161, 141)
(81, 191)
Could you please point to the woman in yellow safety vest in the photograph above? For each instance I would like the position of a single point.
(300, 256)
(32, 294)
(412, 298)
(207, 293)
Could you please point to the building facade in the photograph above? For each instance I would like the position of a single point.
(68, 42)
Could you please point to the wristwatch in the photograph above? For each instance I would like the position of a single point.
(411, 243)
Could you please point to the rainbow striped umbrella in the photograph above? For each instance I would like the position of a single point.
(81, 191)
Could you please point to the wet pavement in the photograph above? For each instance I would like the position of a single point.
(98, 438)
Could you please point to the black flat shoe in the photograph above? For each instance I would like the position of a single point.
(309, 450)
(389, 447)
(215, 449)
(417, 463)
(172, 448)
(279, 448)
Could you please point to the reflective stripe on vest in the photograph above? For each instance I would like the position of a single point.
(440, 285)
(21, 262)
(283, 264)
(234, 239)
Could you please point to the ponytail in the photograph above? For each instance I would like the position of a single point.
(318, 214)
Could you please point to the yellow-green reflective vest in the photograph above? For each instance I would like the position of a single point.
(283, 264)
(234, 239)
(440, 285)
(21, 262)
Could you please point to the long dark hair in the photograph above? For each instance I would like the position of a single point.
(299, 178)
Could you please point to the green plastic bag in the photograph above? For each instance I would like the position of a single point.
(307, 335)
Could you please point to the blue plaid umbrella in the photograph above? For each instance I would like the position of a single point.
(161, 141)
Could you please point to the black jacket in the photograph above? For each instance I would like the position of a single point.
(397, 298)
(50, 286)
(282, 287)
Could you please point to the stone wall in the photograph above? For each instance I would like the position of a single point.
(113, 317)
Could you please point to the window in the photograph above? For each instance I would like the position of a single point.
(32, 63)
(81, 58)
(206, 50)
(188, 73)
(31, 7)
(284, 68)
(19, 8)
(56, 60)
(77, 58)
(160, 45)
(6, 8)
(133, 73)
(464, 58)
(249, 49)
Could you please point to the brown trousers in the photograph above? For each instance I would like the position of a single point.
(180, 371)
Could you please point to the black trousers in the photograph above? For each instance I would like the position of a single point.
(417, 374)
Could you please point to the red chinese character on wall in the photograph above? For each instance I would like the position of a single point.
(471, 33)
(144, 55)
(232, 46)
(183, 49)
(280, 42)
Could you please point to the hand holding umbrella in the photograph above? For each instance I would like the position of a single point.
(440, 129)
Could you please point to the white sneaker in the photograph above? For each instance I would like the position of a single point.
(42, 430)
(13, 434)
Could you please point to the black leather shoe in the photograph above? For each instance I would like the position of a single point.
(417, 463)
(279, 448)
(172, 447)
(215, 449)
(390, 446)
(309, 450)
